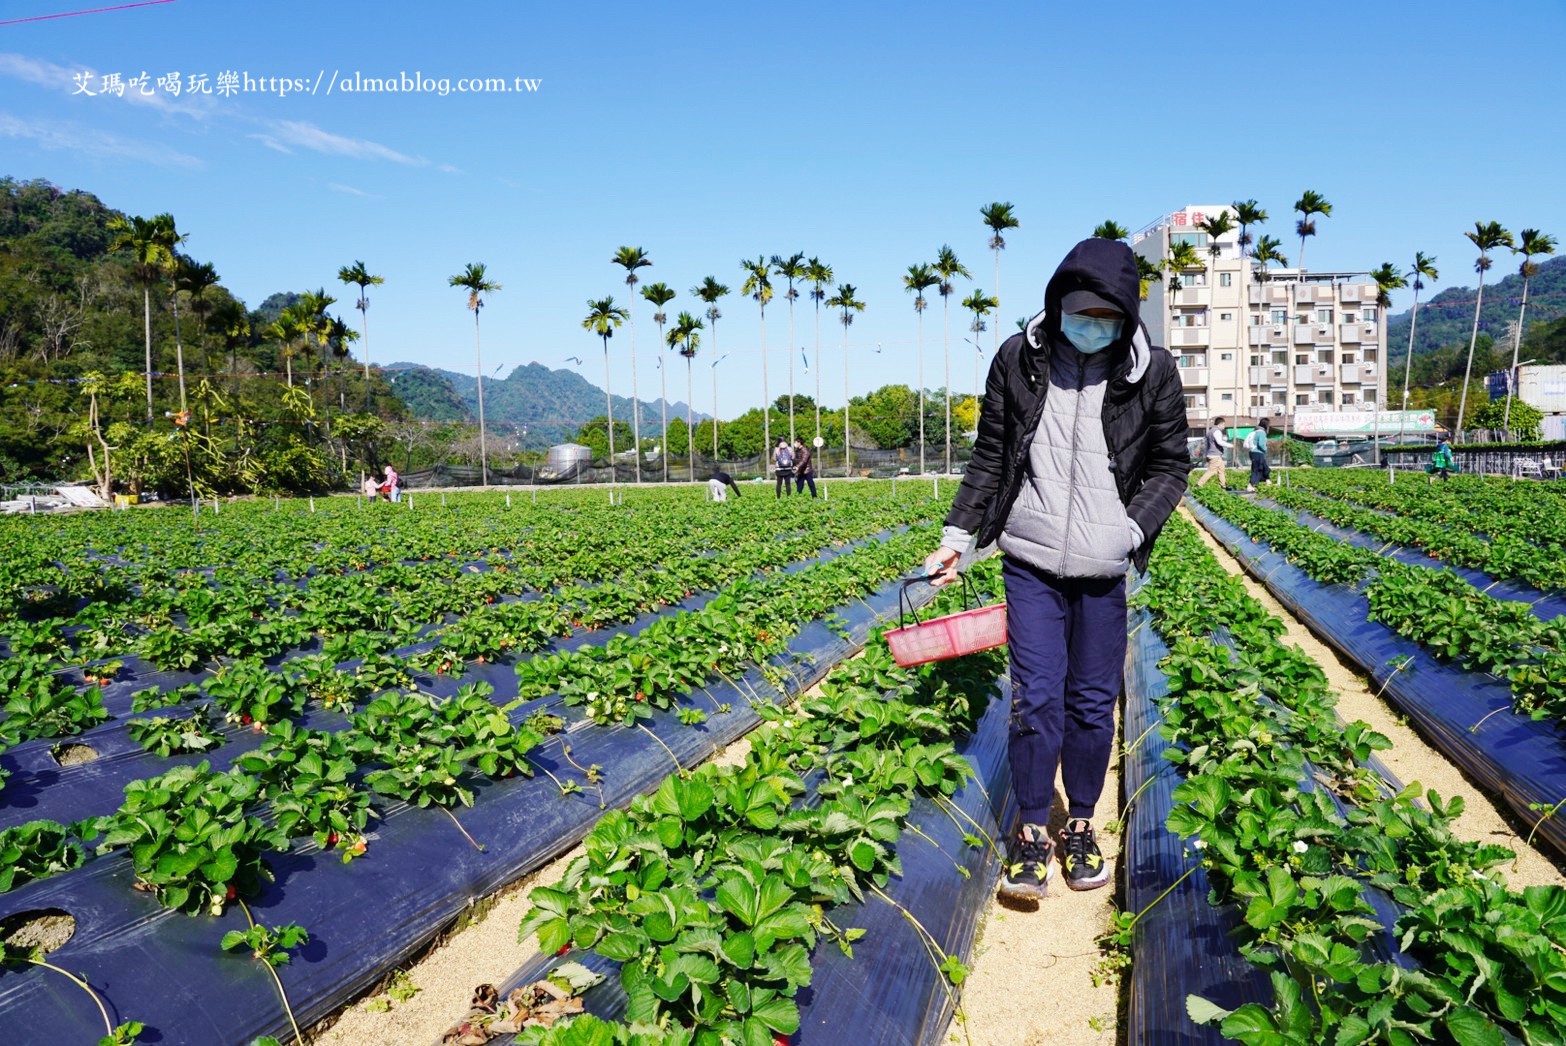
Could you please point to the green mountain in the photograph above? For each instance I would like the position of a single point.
(1446, 319)
(549, 404)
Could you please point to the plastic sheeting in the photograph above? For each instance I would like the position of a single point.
(166, 970)
(889, 993)
(1518, 758)
(1545, 605)
(1183, 944)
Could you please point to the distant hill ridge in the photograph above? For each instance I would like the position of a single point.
(551, 403)
(1446, 318)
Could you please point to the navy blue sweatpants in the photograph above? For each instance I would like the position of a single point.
(1067, 638)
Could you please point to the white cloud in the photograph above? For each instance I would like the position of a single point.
(60, 136)
(351, 191)
(304, 135)
(43, 73)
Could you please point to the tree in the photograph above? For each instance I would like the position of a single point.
(981, 305)
(150, 244)
(844, 299)
(601, 437)
(919, 279)
(660, 295)
(1111, 230)
(1532, 242)
(1424, 269)
(603, 316)
(1524, 418)
(1487, 236)
(1216, 226)
(684, 336)
(947, 267)
(475, 280)
(819, 274)
(1246, 214)
(1182, 256)
(1148, 272)
(791, 268)
(359, 275)
(1388, 279)
(631, 259)
(999, 217)
(710, 291)
(758, 284)
(1309, 205)
(1267, 253)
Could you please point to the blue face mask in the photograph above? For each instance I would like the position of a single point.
(1090, 334)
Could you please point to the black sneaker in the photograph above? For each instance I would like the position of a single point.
(1029, 864)
(1085, 867)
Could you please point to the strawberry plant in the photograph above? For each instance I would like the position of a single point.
(167, 735)
(308, 777)
(249, 692)
(270, 945)
(40, 704)
(192, 839)
(36, 850)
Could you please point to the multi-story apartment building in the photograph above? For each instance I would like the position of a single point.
(1304, 348)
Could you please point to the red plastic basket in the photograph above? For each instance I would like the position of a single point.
(969, 631)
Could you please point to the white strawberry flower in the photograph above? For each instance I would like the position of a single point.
(1300, 846)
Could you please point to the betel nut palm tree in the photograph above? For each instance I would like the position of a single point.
(1423, 269)
(709, 291)
(1531, 242)
(948, 268)
(758, 285)
(360, 276)
(999, 217)
(819, 273)
(919, 279)
(603, 316)
(1487, 236)
(150, 244)
(660, 295)
(685, 338)
(1310, 204)
(791, 269)
(844, 299)
(475, 280)
(631, 259)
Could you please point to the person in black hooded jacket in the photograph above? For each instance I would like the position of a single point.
(1079, 460)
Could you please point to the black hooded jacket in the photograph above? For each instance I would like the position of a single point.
(1144, 421)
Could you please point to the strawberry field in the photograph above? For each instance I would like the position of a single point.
(261, 762)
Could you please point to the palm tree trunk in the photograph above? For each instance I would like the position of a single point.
(364, 325)
(715, 397)
(766, 396)
(997, 300)
(818, 370)
(847, 446)
(1511, 375)
(478, 355)
(1473, 339)
(690, 423)
(288, 364)
(636, 405)
(1408, 363)
(663, 405)
(179, 352)
(791, 365)
(146, 314)
(947, 306)
(609, 412)
(921, 388)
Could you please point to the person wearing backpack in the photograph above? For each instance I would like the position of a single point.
(1443, 463)
(804, 468)
(1256, 443)
(1080, 459)
(783, 462)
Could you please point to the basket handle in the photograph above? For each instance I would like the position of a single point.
(905, 607)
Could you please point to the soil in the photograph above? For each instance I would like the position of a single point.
(73, 754)
(45, 930)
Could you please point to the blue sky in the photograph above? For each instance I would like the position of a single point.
(867, 134)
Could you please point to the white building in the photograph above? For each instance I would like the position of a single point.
(1291, 344)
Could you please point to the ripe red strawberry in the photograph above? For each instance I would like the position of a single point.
(230, 893)
(245, 719)
(563, 949)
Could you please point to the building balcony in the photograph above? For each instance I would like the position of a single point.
(1193, 376)
(1191, 296)
(1369, 332)
(1349, 292)
(1313, 373)
(1324, 334)
(1348, 333)
(1358, 373)
(1273, 375)
(1184, 337)
(1304, 334)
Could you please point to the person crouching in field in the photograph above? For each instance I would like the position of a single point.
(1080, 459)
(718, 485)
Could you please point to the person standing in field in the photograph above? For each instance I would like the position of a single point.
(783, 463)
(1215, 449)
(1079, 460)
(804, 468)
(371, 489)
(1443, 463)
(391, 484)
(1256, 443)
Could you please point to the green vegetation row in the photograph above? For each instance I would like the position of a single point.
(1436, 609)
(713, 891)
(1291, 827)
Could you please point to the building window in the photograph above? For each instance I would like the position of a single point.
(1281, 359)
(1301, 399)
(1348, 357)
(1369, 356)
(1256, 319)
(1226, 279)
(1196, 401)
(1368, 395)
(1323, 315)
(1369, 314)
(1348, 399)
(1226, 316)
(1193, 279)
(1192, 359)
(1302, 320)
(1324, 396)
(1226, 356)
(1195, 239)
(1227, 397)
(1303, 359)
(1349, 317)
(1280, 317)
